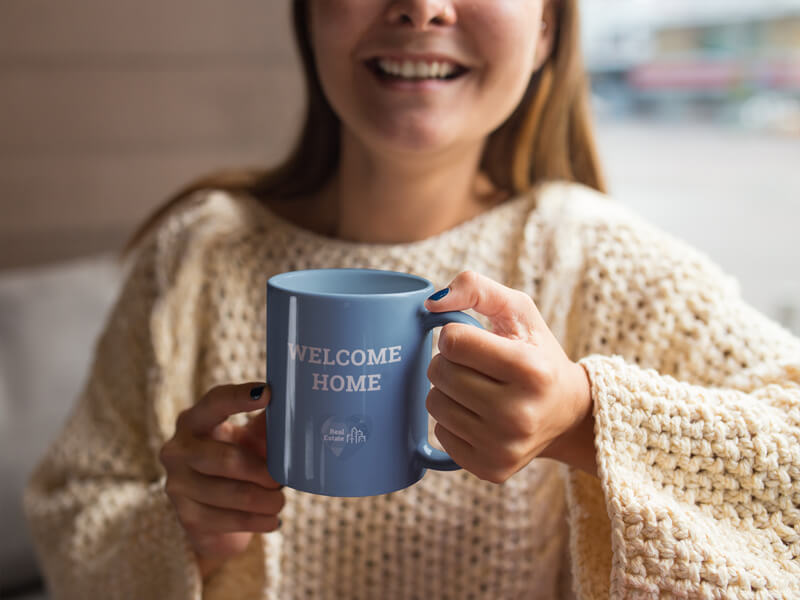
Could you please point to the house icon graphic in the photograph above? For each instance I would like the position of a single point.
(356, 436)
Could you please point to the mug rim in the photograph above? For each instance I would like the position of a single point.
(278, 282)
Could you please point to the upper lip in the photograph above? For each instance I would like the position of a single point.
(428, 57)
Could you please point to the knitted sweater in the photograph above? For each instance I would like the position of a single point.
(696, 401)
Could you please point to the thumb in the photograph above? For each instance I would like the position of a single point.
(511, 312)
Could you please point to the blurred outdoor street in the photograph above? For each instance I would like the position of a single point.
(698, 113)
(732, 193)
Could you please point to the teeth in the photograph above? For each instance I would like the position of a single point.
(420, 70)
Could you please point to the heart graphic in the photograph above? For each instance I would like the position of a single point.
(346, 436)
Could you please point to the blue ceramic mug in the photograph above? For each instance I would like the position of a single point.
(347, 360)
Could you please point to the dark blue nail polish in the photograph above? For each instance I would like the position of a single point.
(439, 295)
(256, 392)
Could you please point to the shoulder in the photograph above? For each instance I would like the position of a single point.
(618, 245)
(571, 204)
(204, 216)
(187, 232)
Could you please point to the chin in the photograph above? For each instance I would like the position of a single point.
(413, 139)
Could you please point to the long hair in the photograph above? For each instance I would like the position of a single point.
(548, 136)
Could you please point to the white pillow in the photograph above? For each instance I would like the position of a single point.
(50, 317)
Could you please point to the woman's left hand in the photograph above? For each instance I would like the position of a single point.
(506, 396)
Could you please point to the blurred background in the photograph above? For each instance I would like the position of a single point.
(106, 108)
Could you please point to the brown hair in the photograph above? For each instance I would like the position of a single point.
(548, 136)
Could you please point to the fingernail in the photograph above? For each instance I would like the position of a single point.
(279, 522)
(256, 392)
(439, 295)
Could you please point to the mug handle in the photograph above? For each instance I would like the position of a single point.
(430, 457)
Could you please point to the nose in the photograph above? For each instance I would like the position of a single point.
(419, 14)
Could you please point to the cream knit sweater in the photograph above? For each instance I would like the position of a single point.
(696, 400)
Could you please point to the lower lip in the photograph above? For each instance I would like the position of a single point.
(410, 85)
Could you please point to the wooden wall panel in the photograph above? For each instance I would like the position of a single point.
(53, 31)
(101, 111)
(107, 107)
(113, 193)
(115, 189)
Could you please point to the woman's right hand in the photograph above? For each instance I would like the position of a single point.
(217, 476)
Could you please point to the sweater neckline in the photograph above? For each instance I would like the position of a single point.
(476, 222)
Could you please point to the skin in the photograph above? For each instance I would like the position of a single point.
(416, 151)
(409, 170)
(215, 475)
(546, 407)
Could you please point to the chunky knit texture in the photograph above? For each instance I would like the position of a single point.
(695, 394)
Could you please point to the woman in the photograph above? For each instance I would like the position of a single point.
(448, 138)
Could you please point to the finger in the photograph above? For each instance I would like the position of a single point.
(229, 460)
(511, 312)
(491, 355)
(199, 518)
(229, 493)
(257, 425)
(454, 417)
(464, 385)
(458, 449)
(221, 402)
(469, 457)
(251, 436)
(254, 435)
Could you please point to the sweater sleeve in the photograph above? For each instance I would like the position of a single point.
(102, 524)
(697, 420)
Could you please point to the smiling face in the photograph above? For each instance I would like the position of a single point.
(381, 63)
